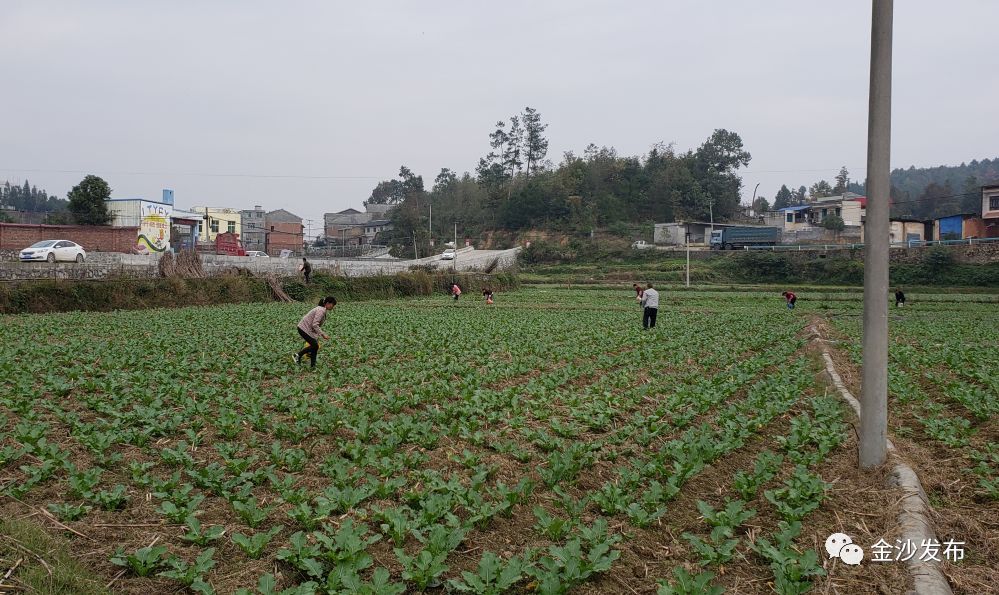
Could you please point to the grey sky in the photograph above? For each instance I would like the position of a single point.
(148, 94)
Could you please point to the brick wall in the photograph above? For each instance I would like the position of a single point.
(284, 236)
(93, 238)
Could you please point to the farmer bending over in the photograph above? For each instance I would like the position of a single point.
(791, 298)
(310, 329)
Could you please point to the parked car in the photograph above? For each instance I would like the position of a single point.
(257, 254)
(448, 254)
(53, 250)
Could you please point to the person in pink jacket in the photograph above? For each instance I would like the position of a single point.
(455, 291)
(310, 329)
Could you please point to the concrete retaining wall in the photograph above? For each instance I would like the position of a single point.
(102, 265)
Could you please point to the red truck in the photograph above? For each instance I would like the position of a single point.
(228, 243)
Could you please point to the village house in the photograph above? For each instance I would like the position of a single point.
(354, 228)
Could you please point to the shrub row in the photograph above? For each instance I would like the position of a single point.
(137, 294)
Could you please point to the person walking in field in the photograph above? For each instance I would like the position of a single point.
(306, 269)
(455, 291)
(650, 307)
(310, 329)
(899, 298)
(791, 299)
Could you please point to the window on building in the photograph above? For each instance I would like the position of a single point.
(272, 228)
(994, 203)
(214, 225)
(231, 226)
(790, 217)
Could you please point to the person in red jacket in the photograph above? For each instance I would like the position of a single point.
(638, 292)
(791, 299)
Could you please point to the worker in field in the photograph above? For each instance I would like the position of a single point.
(899, 298)
(306, 269)
(791, 299)
(310, 329)
(488, 294)
(650, 307)
(638, 292)
(455, 291)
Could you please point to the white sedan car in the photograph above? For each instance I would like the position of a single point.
(257, 254)
(448, 254)
(53, 250)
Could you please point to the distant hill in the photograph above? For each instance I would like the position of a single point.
(930, 192)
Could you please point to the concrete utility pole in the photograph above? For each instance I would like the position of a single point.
(686, 240)
(874, 387)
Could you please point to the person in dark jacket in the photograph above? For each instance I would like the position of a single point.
(899, 298)
(306, 269)
(310, 329)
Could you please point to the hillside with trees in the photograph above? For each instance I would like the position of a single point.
(516, 186)
(918, 193)
(29, 198)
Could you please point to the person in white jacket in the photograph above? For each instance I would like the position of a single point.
(650, 307)
(310, 329)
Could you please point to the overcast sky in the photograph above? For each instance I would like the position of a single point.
(306, 105)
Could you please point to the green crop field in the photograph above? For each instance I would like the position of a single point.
(544, 444)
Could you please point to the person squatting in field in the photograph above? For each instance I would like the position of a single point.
(488, 294)
(650, 307)
(455, 291)
(310, 329)
(899, 298)
(791, 299)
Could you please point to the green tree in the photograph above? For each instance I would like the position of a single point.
(820, 189)
(761, 205)
(535, 143)
(444, 179)
(783, 198)
(387, 192)
(86, 202)
(834, 223)
(842, 182)
(716, 182)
